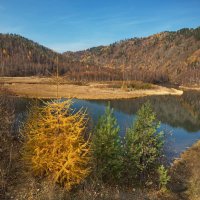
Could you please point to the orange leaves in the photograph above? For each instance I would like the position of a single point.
(195, 57)
(55, 145)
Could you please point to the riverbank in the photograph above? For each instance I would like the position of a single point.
(185, 174)
(34, 87)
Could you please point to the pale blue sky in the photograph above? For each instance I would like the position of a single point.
(79, 24)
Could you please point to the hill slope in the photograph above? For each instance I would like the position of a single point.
(23, 57)
(20, 56)
(167, 56)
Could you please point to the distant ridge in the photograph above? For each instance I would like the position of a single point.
(166, 57)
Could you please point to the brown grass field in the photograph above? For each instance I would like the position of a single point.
(35, 87)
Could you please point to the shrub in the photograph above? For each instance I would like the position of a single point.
(163, 177)
(54, 143)
(143, 146)
(7, 156)
(107, 149)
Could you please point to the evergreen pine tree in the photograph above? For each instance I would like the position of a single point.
(143, 146)
(107, 149)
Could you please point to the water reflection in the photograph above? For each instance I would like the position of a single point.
(183, 111)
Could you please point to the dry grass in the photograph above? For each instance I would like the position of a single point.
(127, 85)
(43, 88)
(8, 144)
(186, 174)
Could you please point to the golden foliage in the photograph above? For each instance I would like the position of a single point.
(195, 57)
(54, 143)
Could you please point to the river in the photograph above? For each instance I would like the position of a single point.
(179, 116)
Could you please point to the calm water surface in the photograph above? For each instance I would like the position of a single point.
(179, 116)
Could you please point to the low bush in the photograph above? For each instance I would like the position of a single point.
(164, 178)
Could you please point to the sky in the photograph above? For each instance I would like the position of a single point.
(72, 25)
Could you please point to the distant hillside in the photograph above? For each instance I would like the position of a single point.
(165, 57)
(172, 57)
(23, 57)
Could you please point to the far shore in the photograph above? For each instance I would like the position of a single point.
(35, 87)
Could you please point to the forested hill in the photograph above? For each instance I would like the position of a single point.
(167, 56)
(23, 57)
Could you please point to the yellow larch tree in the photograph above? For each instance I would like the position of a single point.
(55, 143)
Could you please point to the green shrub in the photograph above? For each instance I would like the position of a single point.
(163, 177)
(107, 148)
(143, 146)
